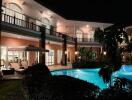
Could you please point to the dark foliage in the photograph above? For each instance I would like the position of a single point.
(41, 85)
(87, 64)
(105, 73)
(122, 89)
(110, 39)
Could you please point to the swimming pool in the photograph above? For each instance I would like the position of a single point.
(92, 76)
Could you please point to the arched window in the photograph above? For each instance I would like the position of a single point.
(14, 10)
(14, 7)
(46, 22)
(79, 35)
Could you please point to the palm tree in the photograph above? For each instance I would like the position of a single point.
(110, 39)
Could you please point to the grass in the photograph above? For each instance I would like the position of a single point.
(11, 90)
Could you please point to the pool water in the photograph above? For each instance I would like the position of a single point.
(92, 76)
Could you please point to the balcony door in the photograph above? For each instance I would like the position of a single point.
(46, 23)
(12, 10)
(49, 57)
(79, 35)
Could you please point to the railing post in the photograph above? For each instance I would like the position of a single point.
(42, 45)
(64, 55)
(0, 26)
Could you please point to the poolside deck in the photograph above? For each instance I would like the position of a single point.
(51, 68)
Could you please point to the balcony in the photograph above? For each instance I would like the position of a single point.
(19, 26)
(26, 28)
(87, 41)
(22, 26)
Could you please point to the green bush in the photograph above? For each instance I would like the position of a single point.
(87, 64)
(122, 89)
(40, 85)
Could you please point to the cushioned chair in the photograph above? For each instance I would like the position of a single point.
(16, 66)
(24, 64)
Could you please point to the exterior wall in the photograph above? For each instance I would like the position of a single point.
(15, 42)
(37, 11)
(54, 47)
(72, 54)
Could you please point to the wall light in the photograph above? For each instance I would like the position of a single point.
(66, 52)
(76, 52)
(104, 53)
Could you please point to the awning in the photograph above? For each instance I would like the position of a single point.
(28, 48)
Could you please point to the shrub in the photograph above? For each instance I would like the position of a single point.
(122, 89)
(87, 64)
(41, 85)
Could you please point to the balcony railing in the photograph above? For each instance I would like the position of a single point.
(22, 22)
(85, 40)
(19, 22)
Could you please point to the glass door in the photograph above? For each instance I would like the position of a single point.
(49, 57)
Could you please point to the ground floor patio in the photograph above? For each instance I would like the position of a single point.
(16, 52)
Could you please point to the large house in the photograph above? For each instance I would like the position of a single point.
(23, 22)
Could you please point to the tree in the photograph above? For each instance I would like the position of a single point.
(110, 38)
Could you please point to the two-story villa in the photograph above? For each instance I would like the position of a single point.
(21, 22)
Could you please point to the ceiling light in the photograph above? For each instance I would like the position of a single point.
(87, 26)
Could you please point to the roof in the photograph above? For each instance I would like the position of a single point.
(105, 11)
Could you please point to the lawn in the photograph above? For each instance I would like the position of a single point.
(11, 90)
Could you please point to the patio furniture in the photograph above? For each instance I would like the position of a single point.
(17, 67)
(8, 71)
(24, 64)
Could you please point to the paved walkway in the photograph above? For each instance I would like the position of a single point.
(58, 67)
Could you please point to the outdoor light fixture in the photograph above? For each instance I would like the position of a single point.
(79, 57)
(76, 52)
(104, 52)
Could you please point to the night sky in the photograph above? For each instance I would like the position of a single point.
(109, 11)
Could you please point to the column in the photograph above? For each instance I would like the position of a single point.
(0, 26)
(76, 52)
(42, 45)
(64, 55)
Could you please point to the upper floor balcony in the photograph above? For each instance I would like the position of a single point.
(18, 24)
(21, 24)
(87, 41)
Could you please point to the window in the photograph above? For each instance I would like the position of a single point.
(49, 57)
(79, 35)
(91, 36)
(94, 55)
(59, 56)
(46, 23)
(12, 10)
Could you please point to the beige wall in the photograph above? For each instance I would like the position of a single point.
(15, 42)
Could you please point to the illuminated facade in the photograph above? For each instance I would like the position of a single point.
(21, 21)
